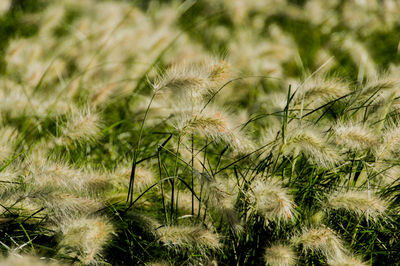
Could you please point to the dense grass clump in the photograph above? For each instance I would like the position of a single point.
(199, 132)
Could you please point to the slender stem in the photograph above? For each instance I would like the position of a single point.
(202, 185)
(136, 153)
(162, 187)
(192, 174)
(173, 181)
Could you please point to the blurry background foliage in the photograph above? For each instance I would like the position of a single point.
(201, 16)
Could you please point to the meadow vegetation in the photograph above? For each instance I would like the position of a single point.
(212, 132)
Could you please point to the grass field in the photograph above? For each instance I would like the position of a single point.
(209, 132)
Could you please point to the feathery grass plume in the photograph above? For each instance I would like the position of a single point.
(8, 136)
(83, 125)
(223, 195)
(378, 85)
(275, 100)
(61, 205)
(321, 239)
(22, 206)
(389, 144)
(56, 175)
(44, 173)
(146, 223)
(312, 143)
(362, 203)
(271, 200)
(346, 260)
(96, 180)
(280, 255)
(24, 197)
(315, 218)
(193, 79)
(9, 178)
(316, 91)
(355, 137)
(188, 236)
(85, 238)
(15, 259)
(387, 172)
(214, 124)
(380, 94)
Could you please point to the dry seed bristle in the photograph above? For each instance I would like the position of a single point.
(355, 136)
(359, 202)
(321, 239)
(214, 124)
(346, 261)
(85, 237)
(188, 236)
(317, 91)
(280, 255)
(82, 126)
(314, 146)
(390, 143)
(65, 205)
(379, 85)
(271, 200)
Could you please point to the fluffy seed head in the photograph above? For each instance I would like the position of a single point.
(193, 80)
(390, 143)
(355, 137)
(359, 202)
(64, 205)
(315, 92)
(85, 237)
(313, 145)
(280, 255)
(378, 85)
(214, 124)
(188, 236)
(59, 175)
(321, 239)
(271, 200)
(222, 197)
(83, 125)
(346, 260)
